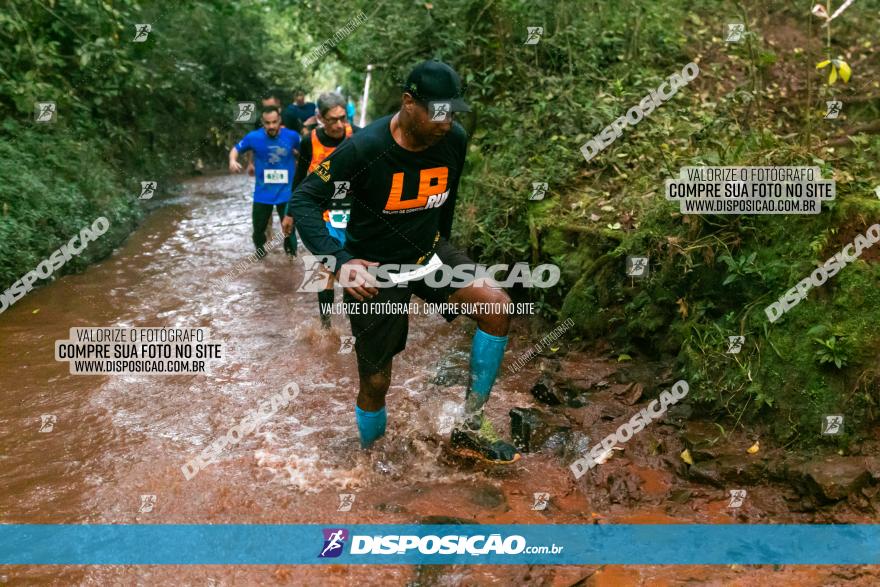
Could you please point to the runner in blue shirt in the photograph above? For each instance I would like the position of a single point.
(275, 149)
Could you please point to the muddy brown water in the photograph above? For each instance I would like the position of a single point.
(118, 437)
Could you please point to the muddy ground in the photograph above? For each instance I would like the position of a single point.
(118, 437)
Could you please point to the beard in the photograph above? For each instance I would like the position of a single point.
(432, 139)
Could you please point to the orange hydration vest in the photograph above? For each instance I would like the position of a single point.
(320, 151)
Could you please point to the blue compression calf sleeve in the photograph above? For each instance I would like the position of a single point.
(371, 425)
(486, 355)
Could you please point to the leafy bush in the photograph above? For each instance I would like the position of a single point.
(126, 111)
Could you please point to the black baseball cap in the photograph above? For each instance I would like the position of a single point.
(434, 81)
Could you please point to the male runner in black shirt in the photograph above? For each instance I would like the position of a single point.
(402, 173)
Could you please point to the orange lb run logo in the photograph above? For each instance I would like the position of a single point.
(432, 190)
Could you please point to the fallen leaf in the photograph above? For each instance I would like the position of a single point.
(682, 307)
(632, 393)
(608, 454)
(754, 448)
(595, 217)
(709, 255)
(35, 311)
(686, 457)
(624, 357)
(604, 456)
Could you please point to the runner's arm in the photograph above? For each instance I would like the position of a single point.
(297, 145)
(305, 159)
(312, 196)
(240, 147)
(234, 165)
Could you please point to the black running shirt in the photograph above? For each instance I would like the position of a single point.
(400, 200)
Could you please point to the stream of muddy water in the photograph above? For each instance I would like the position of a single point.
(116, 438)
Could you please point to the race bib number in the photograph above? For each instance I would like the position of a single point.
(274, 176)
(339, 218)
(434, 264)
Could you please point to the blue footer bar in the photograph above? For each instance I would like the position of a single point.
(518, 544)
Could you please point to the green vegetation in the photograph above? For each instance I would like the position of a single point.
(127, 112)
(759, 102)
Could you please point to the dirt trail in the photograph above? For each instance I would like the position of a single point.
(122, 436)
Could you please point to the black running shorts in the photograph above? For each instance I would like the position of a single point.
(378, 336)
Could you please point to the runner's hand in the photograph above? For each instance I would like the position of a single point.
(287, 225)
(234, 167)
(356, 280)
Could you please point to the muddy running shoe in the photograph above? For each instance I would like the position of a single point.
(482, 443)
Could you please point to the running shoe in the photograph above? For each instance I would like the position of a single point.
(483, 444)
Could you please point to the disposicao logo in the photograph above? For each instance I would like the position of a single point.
(334, 541)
